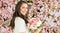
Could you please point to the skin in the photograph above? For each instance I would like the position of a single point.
(23, 10)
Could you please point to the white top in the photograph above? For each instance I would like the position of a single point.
(20, 26)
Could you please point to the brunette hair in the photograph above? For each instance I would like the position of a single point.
(17, 13)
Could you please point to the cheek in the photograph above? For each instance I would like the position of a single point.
(24, 10)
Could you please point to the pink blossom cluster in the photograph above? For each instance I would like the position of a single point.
(48, 11)
(4, 29)
(7, 8)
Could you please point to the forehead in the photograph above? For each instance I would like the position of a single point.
(24, 5)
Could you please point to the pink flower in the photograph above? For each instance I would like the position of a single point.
(0, 3)
(9, 15)
(3, 30)
(47, 1)
(40, 3)
(13, 6)
(34, 23)
(8, 30)
(33, 20)
(35, 0)
(3, 12)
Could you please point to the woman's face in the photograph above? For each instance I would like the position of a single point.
(24, 8)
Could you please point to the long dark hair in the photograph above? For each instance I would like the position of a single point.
(17, 13)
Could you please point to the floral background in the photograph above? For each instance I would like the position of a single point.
(43, 17)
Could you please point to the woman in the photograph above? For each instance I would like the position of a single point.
(19, 20)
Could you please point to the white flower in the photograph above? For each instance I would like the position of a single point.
(39, 23)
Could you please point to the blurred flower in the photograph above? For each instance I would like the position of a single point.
(34, 23)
